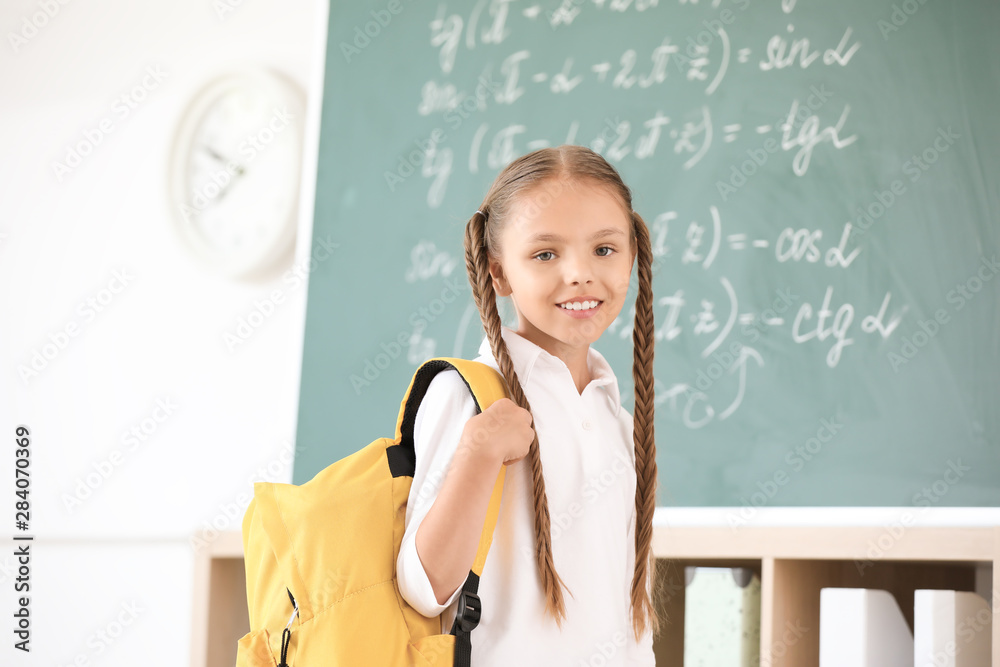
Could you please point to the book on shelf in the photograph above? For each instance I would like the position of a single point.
(862, 627)
(721, 617)
(951, 629)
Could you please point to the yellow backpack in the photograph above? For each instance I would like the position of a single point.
(321, 556)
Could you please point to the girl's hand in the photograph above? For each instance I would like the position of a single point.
(502, 432)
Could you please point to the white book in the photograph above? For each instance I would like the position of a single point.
(951, 629)
(862, 627)
(721, 617)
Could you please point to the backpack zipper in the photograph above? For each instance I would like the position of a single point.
(286, 634)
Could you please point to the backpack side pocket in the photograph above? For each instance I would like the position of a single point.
(254, 650)
(433, 651)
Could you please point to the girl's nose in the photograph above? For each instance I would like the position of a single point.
(578, 270)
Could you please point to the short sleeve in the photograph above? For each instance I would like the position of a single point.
(441, 418)
(638, 654)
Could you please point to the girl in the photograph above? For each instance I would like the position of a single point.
(557, 234)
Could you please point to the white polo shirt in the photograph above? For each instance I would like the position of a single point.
(588, 461)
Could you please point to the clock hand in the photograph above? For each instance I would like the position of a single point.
(224, 189)
(211, 151)
(240, 169)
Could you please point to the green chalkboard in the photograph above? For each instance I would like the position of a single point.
(820, 180)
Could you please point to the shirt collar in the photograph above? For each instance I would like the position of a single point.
(526, 356)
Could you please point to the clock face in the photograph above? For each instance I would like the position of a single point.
(235, 172)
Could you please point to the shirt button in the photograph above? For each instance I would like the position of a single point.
(586, 425)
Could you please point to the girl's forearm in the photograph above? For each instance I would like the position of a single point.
(448, 537)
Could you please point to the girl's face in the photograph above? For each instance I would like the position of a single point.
(566, 242)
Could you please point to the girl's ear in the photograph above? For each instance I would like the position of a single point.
(500, 285)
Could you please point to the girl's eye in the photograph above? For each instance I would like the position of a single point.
(604, 247)
(539, 255)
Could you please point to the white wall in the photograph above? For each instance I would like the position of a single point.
(159, 338)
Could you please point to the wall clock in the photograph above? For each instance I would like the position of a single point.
(234, 171)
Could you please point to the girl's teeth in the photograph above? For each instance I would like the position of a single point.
(580, 305)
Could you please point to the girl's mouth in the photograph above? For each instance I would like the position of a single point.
(580, 309)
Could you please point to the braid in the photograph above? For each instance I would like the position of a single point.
(477, 265)
(643, 611)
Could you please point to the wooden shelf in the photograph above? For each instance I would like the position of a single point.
(793, 563)
(220, 616)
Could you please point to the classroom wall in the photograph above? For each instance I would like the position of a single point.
(112, 572)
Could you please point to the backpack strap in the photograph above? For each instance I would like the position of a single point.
(487, 385)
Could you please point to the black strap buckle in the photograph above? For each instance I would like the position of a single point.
(470, 610)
